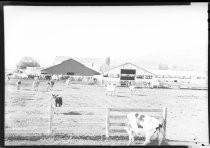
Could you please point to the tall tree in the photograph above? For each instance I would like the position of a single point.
(27, 62)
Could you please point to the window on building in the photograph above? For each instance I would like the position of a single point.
(140, 76)
(148, 76)
(198, 77)
(105, 75)
(175, 80)
(70, 73)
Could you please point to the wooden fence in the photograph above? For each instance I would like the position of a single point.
(88, 120)
(119, 114)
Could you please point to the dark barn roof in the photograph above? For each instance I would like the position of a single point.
(70, 65)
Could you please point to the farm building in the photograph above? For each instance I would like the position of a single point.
(92, 63)
(33, 70)
(182, 79)
(127, 72)
(70, 67)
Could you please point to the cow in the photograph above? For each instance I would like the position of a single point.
(58, 100)
(111, 88)
(18, 83)
(143, 125)
(50, 85)
(35, 85)
(155, 84)
(55, 77)
(68, 82)
(132, 88)
(47, 77)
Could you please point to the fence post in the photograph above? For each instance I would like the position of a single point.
(107, 122)
(51, 116)
(164, 122)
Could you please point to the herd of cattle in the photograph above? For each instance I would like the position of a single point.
(137, 124)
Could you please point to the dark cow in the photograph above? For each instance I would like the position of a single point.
(58, 100)
(48, 77)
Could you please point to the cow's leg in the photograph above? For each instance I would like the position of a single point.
(130, 134)
(160, 138)
(148, 136)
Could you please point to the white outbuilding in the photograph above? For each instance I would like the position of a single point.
(123, 74)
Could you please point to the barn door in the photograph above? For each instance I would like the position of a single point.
(126, 76)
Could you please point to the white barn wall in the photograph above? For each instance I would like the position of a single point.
(117, 70)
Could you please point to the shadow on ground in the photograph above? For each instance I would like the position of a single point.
(122, 96)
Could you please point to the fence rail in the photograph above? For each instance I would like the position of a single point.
(110, 115)
(111, 122)
(135, 110)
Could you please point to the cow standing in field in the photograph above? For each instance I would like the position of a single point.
(18, 83)
(68, 82)
(145, 126)
(55, 77)
(132, 88)
(58, 101)
(47, 77)
(111, 88)
(50, 85)
(35, 85)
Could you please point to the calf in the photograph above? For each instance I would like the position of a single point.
(145, 126)
(18, 84)
(111, 88)
(58, 100)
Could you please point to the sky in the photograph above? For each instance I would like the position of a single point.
(162, 34)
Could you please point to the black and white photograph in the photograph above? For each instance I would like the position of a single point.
(106, 75)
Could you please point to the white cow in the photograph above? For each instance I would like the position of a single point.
(68, 82)
(55, 77)
(155, 84)
(18, 84)
(111, 88)
(50, 85)
(132, 89)
(23, 76)
(145, 126)
(35, 85)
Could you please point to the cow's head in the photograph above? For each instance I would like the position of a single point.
(139, 117)
(54, 95)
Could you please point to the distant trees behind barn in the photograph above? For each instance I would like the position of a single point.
(27, 62)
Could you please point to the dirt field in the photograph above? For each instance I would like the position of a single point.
(27, 114)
